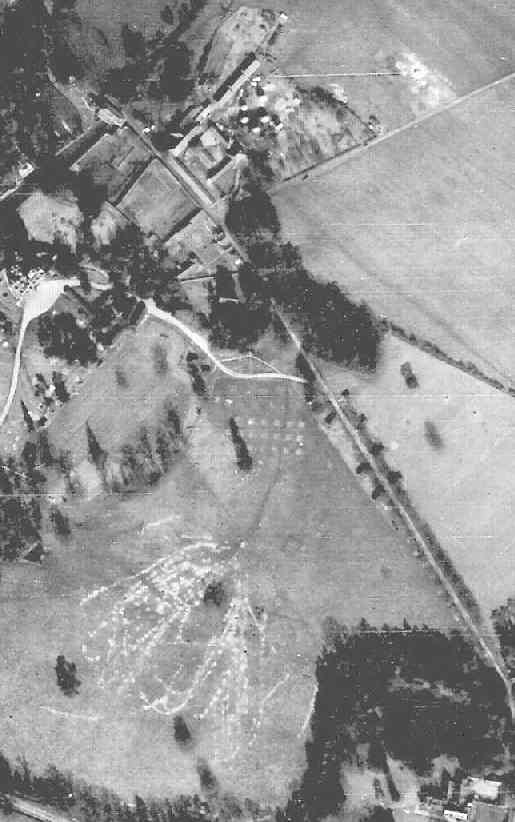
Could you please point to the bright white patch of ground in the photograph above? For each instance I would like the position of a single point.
(429, 87)
(48, 218)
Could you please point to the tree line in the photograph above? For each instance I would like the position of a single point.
(331, 324)
(61, 791)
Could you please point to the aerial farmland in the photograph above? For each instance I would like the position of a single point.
(257, 392)
(419, 226)
(397, 61)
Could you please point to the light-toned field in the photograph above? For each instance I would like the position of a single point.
(113, 411)
(441, 48)
(464, 489)
(420, 226)
(293, 541)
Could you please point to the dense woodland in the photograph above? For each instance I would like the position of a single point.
(408, 693)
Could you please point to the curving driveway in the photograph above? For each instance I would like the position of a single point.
(199, 341)
(36, 303)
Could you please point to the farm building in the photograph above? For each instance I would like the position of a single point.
(156, 202)
(486, 789)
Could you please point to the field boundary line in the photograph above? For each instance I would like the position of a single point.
(320, 168)
(434, 350)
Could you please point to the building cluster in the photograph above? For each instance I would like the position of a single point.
(141, 189)
(471, 800)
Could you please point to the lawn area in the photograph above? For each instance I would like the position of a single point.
(420, 227)
(463, 487)
(292, 541)
(438, 46)
(116, 408)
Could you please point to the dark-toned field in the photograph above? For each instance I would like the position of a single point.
(420, 225)
(292, 541)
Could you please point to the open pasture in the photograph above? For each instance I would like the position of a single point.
(460, 480)
(420, 226)
(124, 392)
(291, 542)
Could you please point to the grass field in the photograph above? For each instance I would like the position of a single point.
(114, 410)
(441, 48)
(293, 541)
(464, 487)
(420, 226)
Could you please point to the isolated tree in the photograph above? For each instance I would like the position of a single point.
(306, 372)
(215, 593)
(96, 453)
(160, 359)
(167, 15)
(66, 674)
(181, 731)
(121, 377)
(60, 522)
(208, 781)
(61, 392)
(27, 416)
(432, 435)
(197, 380)
(243, 458)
